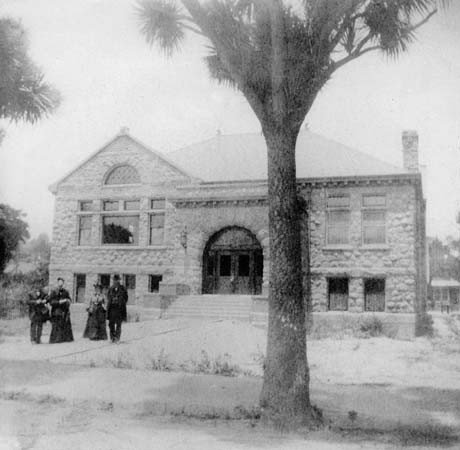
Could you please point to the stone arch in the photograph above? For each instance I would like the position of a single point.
(122, 174)
(232, 262)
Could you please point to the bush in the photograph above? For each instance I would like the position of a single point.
(371, 327)
(15, 289)
(424, 325)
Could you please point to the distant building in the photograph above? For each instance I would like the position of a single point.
(196, 221)
(445, 295)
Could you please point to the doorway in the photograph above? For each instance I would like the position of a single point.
(233, 263)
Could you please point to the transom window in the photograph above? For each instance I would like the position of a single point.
(125, 174)
(157, 203)
(338, 219)
(86, 205)
(110, 205)
(374, 219)
(132, 205)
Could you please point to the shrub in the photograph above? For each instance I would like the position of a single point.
(371, 327)
(424, 325)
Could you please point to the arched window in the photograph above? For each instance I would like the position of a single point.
(123, 175)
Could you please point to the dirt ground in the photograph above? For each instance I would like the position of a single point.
(96, 395)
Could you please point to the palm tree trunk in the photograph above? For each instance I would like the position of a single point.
(285, 393)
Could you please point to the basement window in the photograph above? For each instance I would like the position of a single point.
(374, 294)
(338, 294)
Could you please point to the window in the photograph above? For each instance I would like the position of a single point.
(86, 205)
(129, 281)
(157, 203)
(154, 283)
(157, 223)
(110, 205)
(132, 205)
(123, 175)
(374, 294)
(120, 230)
(225, 265)
(80, 287)
(84, 230)
(104, 280)
(243, 265)
(338, 294)
(338, 219)
(373, 219)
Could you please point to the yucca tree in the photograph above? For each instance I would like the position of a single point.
(280, 55)
(24, 95)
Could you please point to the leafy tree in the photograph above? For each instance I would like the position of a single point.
(24, 95)
(444, 260)
(279, 56)
(13, 230)
(36, 250)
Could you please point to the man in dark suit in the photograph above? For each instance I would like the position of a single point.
(117, 297)
(38, 313)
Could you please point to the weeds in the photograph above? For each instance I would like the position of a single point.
(161, 363)
(122, 361)
(371, 327)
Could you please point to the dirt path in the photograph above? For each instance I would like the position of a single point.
(48, 426)
(47, 404)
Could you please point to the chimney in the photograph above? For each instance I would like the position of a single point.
(410, 150)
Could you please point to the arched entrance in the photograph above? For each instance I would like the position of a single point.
(232, 263)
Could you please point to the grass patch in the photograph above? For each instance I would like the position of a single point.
(371, 327)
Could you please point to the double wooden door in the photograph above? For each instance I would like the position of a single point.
(233, 272)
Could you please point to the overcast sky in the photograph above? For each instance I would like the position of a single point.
(92, 52)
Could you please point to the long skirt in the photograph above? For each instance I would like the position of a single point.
(61, 330)
(96, 328)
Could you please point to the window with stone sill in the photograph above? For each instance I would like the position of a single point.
(337, 294)
(338, 219)
(121, 230)
(374, 294)
(154, 283)
(373, 218)
(84, 229)
(157, 224)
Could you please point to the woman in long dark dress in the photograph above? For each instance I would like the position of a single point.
(96, 328)
(61, 327)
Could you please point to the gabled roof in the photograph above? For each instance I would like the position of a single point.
(123, 133)
(239, 157)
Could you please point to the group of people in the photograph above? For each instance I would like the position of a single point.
(55, 307)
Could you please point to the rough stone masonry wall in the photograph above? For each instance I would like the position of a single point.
(393, 261)
(158, 180)
(202, 222)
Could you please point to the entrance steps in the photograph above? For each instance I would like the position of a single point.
(237, 307)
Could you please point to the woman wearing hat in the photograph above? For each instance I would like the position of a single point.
(95, 325)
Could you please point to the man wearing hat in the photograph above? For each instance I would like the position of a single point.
(61, 328)
(117, 297)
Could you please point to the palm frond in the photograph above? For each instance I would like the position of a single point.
(161, 24)
(24, 95)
